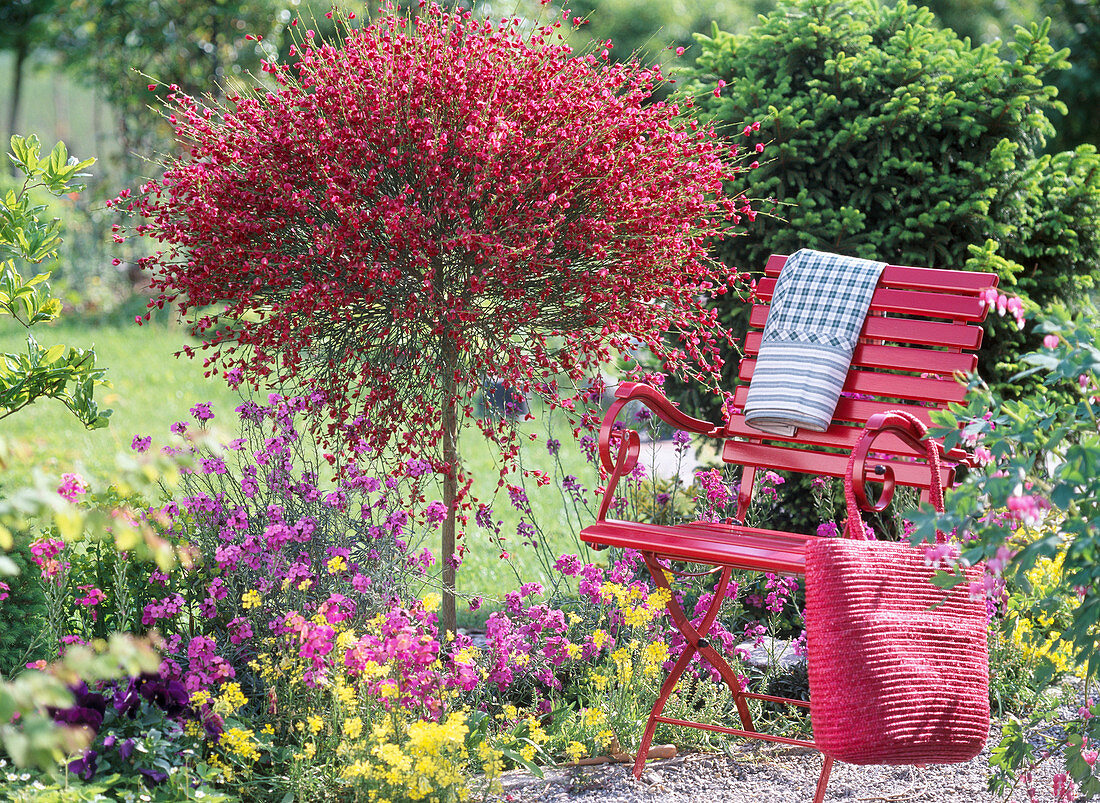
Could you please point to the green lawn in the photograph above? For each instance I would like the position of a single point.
(152, 388)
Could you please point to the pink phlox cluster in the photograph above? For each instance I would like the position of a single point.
(767, 485)
(338, 608)
(72, 486)
(313, 641)
(91, 597)
(798, 647)
(240, 630)
(780, 589)
(201, 412)
(407, 646)
(435, 513)
(46, 555)
(717, 493)
(165, 608)
(205, 668)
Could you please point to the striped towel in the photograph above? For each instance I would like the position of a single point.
(817, 312)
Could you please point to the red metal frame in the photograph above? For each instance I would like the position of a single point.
(949, 303)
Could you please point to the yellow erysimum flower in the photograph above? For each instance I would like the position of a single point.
(353, 728)
(251, 599)
(431, 602)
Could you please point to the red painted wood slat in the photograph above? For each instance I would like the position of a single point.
(811, 461)
(909, 302)
(901, 358)
(904, 330)
(856, 410)
(714, 544)
(837, 436)
(901, 386)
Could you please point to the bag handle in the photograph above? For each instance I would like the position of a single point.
(911, 430)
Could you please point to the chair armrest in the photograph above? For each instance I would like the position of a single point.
(660, 405)
(913, 433)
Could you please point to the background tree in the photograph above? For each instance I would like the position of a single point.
(23, 26)
(439, 200)
(118, 46)
(893, 139)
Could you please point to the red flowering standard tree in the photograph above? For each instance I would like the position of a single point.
(436, 200)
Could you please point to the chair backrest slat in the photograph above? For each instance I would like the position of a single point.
(902, 358)
(909, 302)
(904, 330)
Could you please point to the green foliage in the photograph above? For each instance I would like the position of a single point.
(893, 139)
(1038, 503)
(34, 739)
(69, 374)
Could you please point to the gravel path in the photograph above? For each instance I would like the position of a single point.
(758, 772)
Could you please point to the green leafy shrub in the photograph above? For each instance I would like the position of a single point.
(893, 139)
(1033, 516)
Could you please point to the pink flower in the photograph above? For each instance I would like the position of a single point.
(1050, 341)
(72, 486)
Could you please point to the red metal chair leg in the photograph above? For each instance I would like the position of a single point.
(696, 643)
(823, 779)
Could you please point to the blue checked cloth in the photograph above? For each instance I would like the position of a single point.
(817, 312)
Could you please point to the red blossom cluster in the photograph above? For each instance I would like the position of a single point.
(436, 200)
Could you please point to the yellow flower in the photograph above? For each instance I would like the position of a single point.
(593, 717)
(575, 751)
(268, 729)
(538, 735)
(230, 699)
(604, 737)
(200, 698)
(598, 680)
(528, 752)
(309, 751)
(239, 741)
(305, 584)
(337, 564)
(388, 689)
(353, 727)
(431, 602)
(599, 638)
(315, 723)
(251, 599)
(574, 650)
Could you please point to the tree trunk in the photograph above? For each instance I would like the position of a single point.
(448, 621)
(16, 89)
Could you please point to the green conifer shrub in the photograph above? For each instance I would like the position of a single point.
(894, 139)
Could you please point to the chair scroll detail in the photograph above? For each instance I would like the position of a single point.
(923, 328)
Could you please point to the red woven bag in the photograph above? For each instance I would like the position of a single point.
(898, 673)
